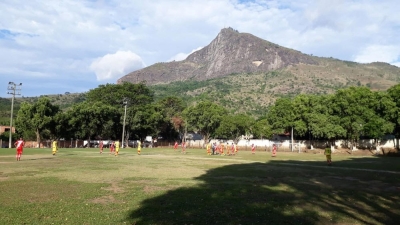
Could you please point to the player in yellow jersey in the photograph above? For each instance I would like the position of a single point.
(54, 147)
(116, 148)
(227, 149)
(139, 147)
(328, 153)
(208, 147)
(222, 149)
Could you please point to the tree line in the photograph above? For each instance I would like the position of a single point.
(346, 114)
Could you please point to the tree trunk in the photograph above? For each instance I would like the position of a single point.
(38, 137)
(206, 138)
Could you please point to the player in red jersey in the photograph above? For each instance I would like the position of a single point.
(101, 145)
(253, 149)
(233, 149)
(112, 146)
(273, 150)
(176, 145)
(20, 148)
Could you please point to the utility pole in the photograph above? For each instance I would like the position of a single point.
(14, 89)
(292, 138)
(125, 102)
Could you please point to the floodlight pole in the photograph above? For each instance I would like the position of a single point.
(14, 89)
(123, 127)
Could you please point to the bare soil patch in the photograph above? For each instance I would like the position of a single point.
(114, 188)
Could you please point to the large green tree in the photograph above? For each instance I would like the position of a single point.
(147, 122)
(138, 99)
(262, 129)
(36, 117)
(234, 126)
(171, 108)
(323, 122)
(116, 94)
(394, 93)
(90, 120)
(381, 122)
(281, 116)
(313, 117)
(204, 117)
(355, 108)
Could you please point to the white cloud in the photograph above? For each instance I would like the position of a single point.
(113, 66)
(183, 56)
(378, 53)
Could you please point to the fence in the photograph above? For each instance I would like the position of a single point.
(262, 145)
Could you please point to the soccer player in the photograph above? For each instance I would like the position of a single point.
(20, 148)
(112, 146)
(221, 148)
(236, 149)
(101, 145)
(184, 147)
(273, 150)
(214, 148)
(253, 149)
(54, 147)
(116, 148)
(176, 145)
(208, 147)
(228, 152)
(139, 147)
(233, 149)
(328, 153)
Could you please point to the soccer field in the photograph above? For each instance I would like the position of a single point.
(164, 186)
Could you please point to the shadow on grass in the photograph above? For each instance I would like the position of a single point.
(279, 192)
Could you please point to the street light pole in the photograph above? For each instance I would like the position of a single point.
(123, 127)
(14, 89)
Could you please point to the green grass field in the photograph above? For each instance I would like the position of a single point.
(163, 186)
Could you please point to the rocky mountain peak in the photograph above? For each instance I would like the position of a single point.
(230, 52)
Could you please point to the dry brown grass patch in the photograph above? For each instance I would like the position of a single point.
(114, 188)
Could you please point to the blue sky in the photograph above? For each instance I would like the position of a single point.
(53, 47)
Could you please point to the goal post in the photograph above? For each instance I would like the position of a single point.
(295, 146)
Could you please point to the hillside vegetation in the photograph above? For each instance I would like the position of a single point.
(252, 94)
(64, 101)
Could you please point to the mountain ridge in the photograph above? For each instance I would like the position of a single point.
(231, 52)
